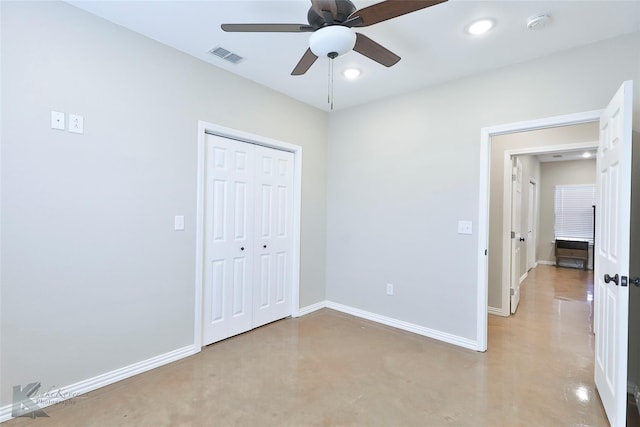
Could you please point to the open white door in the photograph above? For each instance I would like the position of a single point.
(516, 233)
(531, 226)
(611, 297)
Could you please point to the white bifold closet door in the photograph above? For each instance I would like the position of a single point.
(248, 237)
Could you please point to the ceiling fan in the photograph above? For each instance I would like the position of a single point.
(332, 23)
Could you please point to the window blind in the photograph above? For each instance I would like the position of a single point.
(574, 212)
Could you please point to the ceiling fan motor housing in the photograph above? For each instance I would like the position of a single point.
(343, 9)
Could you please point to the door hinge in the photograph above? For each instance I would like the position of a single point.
(513, 234)
(512, 292)
(513, 177)
(485, 252)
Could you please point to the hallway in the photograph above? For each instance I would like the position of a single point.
(332, 369)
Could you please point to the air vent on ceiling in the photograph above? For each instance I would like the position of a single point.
(538, 22)
(226, 55)
(557, 156)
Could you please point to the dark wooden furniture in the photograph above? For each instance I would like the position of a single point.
(573, 249)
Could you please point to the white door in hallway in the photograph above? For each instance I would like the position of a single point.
(531, 226)
(516, 233)
(247, 232)
(611, 297)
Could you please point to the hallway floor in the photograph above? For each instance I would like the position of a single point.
(332, 369)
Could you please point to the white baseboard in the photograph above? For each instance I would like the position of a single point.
(108, 378)
(524, 277)
(545, 262)
(64, 393)
(406, 326)
(311, 308)
(497, 312)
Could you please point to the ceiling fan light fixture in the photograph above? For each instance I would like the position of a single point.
(480, 26)
(351, 73)
(332, 39)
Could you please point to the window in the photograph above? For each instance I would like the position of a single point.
(574, 212)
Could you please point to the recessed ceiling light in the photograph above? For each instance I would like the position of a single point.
(586, 155)
(351, 73)
(480, 26)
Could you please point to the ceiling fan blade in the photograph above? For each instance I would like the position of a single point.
(372, 50)
(390, 9)
(305, 63)
(267, 28)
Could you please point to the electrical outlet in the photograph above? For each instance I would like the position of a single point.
(389, 288)
(76, 123)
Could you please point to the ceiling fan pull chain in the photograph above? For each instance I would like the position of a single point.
(332, 56)
(329, 83)
(331, 80)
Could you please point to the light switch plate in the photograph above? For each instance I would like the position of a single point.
(76, 123)
(465, 227)
(57, 120)
(178, 223)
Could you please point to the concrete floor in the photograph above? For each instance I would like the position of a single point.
(332, 369)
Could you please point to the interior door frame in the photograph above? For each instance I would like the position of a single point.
(507, 206)
(486, 134)
(225, 132)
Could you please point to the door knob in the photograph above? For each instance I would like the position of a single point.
(242, 248)
(264, 246)
(522, 239)
(635, 281)
(613, 279)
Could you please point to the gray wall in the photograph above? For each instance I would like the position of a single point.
(583, 133)
(558, 173)
(404, 170)
(93, 276)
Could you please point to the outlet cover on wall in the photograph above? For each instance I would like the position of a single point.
(76, 123)
(389, 288)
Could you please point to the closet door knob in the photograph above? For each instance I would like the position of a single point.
(264, 246)
(242, 248)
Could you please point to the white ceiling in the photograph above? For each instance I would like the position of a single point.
(432, 42)
(565, 156)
